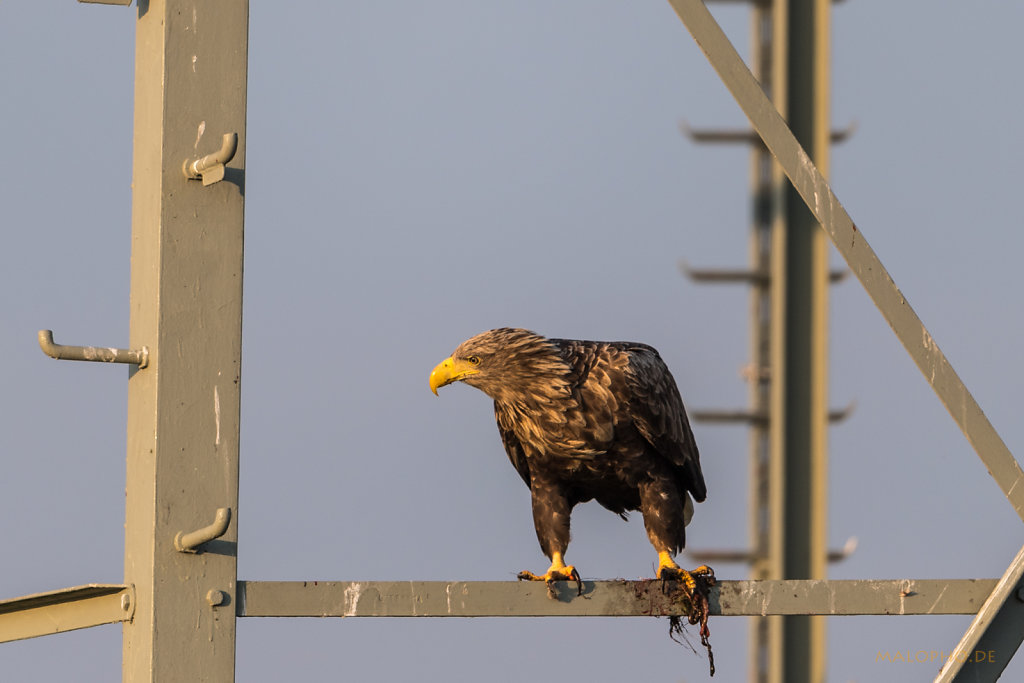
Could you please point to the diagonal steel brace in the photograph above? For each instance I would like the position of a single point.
(995, 633)
(1000, 622)
(859, 255)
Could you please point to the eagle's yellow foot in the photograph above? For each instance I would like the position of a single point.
(564, 574)
(558, 571)
(668, 570)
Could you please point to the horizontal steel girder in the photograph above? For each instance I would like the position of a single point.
(96, 604)
(605, 598)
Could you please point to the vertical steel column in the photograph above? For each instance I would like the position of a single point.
(186, 307)
(765, 632)
(800, 291)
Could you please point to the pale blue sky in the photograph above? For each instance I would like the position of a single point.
(419, 173)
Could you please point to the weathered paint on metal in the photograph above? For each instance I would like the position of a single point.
(605, 598)
(186, 306)
(43, 614)
(850, 243)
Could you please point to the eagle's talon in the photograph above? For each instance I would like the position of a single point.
(563, 573)
(671, 572)
(705, 572)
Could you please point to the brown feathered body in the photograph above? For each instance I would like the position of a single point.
(586, 420)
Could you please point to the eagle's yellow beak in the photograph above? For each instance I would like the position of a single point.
(450, 370)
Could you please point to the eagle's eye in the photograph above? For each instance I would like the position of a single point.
(475, 360)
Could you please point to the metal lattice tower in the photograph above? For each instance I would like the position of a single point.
(179, 599)
(788, 369)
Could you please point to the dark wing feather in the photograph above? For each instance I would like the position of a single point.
(658, 413)
(593, 409)
(512, 446)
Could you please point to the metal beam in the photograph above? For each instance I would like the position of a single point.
(849, 241)
(67, 609)
(765, 484)
(605, 598)
(994, 635)
(186, 307)
(799, 373)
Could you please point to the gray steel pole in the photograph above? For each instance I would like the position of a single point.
(763, 662)
(802, 292)
(186, 308)
(788, 398)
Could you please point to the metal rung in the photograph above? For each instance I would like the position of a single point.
(751, 556)
(760, 417)
(749, 137)
(97, 354)
(743, 275)
(752, 416)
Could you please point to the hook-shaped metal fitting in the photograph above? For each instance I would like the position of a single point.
(211, 167)
(98, 354)
(187, 543)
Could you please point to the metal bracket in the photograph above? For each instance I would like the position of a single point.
(98, 354)
(187, 543)
(210, 168)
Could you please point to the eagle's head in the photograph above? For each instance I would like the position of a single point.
(507, 364)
